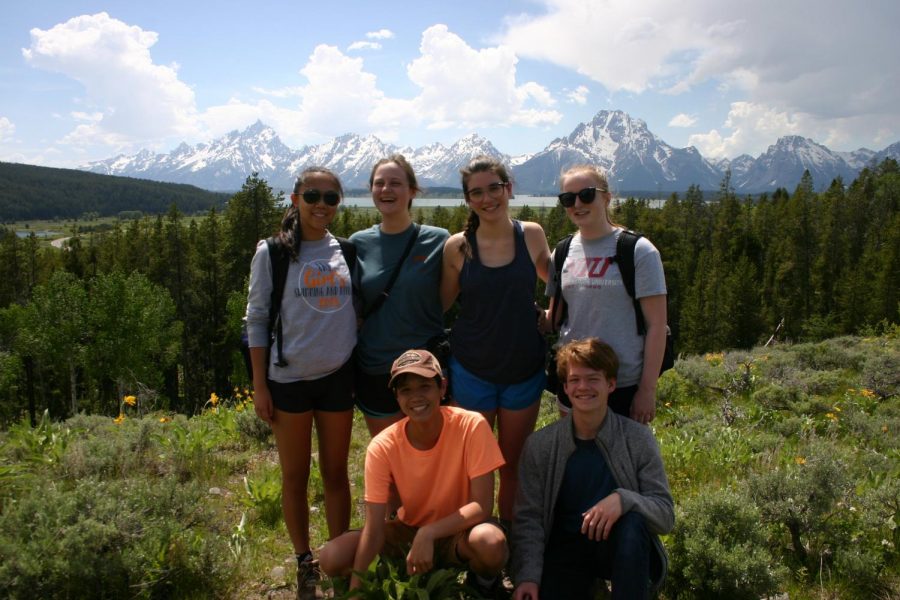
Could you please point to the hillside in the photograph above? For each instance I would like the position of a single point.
(30, 192)
(782, 463)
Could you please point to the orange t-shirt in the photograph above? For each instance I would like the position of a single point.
(431, 483)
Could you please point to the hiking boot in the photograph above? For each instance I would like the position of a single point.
(308, 579)
(491, 590)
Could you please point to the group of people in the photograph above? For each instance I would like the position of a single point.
(580, 499)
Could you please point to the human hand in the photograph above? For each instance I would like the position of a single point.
(421, 555)
(262, 403)
(643, 405)
(600, 518)
(527, 590)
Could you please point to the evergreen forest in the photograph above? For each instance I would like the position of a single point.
(28, 192)
(155, 304)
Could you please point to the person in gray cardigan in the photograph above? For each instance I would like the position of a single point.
(593, 494)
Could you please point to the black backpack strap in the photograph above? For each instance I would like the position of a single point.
(559, 258)
(390, 284)
(348, 249)
(625, 259)
(280, 260)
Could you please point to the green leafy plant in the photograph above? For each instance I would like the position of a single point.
(386, 579)
(263, 495)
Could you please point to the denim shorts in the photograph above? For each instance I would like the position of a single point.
(473, 393)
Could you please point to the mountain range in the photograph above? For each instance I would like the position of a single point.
(635, 159)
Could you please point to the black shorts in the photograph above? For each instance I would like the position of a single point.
(373, 396)
(332, 393)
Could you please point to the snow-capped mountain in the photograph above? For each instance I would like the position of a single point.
(635, 158)
(782, 165)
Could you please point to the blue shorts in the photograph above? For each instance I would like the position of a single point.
(473, 393)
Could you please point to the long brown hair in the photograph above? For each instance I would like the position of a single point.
(479, 164)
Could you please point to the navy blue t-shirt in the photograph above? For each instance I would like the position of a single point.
(586, 482)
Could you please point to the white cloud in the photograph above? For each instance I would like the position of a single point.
(137, 99)
(682, 120)
(7, 129)
(578, 95)
(364, 46)
(381, 34)
(816, 60)
(467, 88)
(753, 128)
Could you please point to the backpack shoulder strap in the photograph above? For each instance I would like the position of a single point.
(559, 303)
(348, 249)
(625, 259)
(280, 260)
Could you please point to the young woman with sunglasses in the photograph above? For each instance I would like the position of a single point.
(597, 303)
(410, 314)
(498, 353)
(309, 379)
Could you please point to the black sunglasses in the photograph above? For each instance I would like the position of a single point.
(587, 195)
(313, 196)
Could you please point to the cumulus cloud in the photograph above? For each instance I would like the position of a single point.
(137, 99)
(364, 46)
(750, 129)
(381, 34)
(7, 129)
(578, 95)
(465, 87)
(820, 62)
(682, 120)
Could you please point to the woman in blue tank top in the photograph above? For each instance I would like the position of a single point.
(497, 367)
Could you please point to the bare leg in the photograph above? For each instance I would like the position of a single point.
(334, 429)
(513, 427)
(337, 556)
(377, 424)
(293, 433)
(484, 549)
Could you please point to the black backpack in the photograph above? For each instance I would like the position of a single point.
(625, 259)
(280, 259)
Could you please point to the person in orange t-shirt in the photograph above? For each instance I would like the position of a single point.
(442, 461)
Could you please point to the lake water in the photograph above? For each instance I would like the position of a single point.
(519, 201)
(24, 233)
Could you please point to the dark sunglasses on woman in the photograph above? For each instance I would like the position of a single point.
(313, 196)
(587, 195)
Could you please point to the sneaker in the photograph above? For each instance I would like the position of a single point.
(308, 579)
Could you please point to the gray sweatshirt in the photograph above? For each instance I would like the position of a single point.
(633, 457)
(317, 313)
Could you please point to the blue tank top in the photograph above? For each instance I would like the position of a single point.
(495, 336)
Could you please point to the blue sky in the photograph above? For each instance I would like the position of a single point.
(83, 80)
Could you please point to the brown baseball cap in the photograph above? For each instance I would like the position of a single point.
(420, 362)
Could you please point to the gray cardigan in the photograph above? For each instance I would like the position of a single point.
(633, 457)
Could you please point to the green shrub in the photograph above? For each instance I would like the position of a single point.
(718, 550)
(252, 428)
(102, 539)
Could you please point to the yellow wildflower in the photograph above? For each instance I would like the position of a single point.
(884, 429)
(164, 419)
(866, 393)
(129, 400)
(714, 358)
(800, 460)
(668, 404)
(831, 416)
(837, 409)
(119, 419)
(213, 399)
